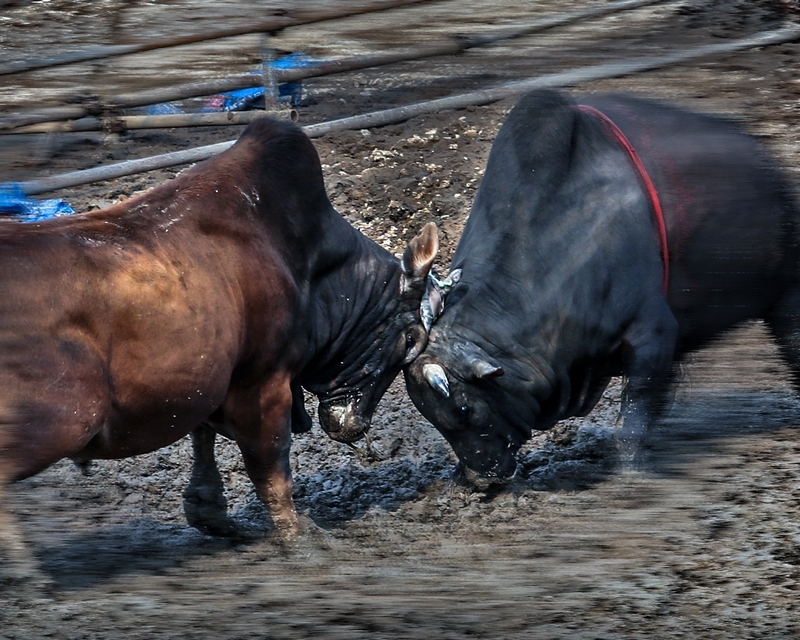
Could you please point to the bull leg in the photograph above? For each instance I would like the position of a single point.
(643, 403)
(262, 420)
(650, 372)
(204, 500)
(301, 421)
(18, 567)
(784, 321)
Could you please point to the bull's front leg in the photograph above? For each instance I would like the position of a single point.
(649, 372)
(643, 402)
(261, 421)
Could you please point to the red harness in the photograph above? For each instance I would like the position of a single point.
(649, 187)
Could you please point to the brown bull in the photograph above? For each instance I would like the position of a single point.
(215, 295)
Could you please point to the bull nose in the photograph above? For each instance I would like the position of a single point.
(341, 422)
(485, 480)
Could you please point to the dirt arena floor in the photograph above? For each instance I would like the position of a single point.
(705, 544)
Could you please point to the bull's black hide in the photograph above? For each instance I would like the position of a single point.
(562, 279)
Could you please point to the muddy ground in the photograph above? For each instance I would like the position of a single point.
(705, 544)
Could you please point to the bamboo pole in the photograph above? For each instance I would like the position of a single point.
(789, 33)
(276, 23)
(166, 121)
(449, 46)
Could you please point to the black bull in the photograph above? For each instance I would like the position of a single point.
(562, 279)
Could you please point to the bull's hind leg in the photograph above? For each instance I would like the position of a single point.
(17, 564)
(61, 401)
(204, 500)
(650, 373)
(784, 322)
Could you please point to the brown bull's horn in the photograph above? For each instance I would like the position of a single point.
(432, 303)
(482, 369)
(433, 300)
(436, 377)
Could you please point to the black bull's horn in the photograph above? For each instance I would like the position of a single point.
(482, 369)
(437, 378)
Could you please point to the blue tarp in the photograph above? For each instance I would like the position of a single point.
(244, 99)
(14, 203)
(165, 108)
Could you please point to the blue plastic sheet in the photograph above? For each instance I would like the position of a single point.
(292, 92)
(14, 203)
(165, 108)
(244, 99)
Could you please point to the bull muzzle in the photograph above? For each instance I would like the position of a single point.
(341, 421)
(484, 481)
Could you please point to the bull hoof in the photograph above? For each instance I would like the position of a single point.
(633, 458)
(208, 513)
(25, 581)
(304, 538)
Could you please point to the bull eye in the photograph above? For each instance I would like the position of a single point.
(410, 342)
(464, 410)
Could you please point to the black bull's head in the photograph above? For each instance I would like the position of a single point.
(461, 399)
(483, 412)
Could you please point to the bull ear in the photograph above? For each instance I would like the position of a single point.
(483, 369)
(418, 258)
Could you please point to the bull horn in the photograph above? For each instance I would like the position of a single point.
(451, 280)
(482, 369)
(433, 300)
(436, 377)
(432, 303)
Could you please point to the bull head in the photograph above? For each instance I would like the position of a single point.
(377, 352)
(450, 385)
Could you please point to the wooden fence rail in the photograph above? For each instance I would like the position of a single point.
(449, 46)
(272, 25)
(790, 33)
